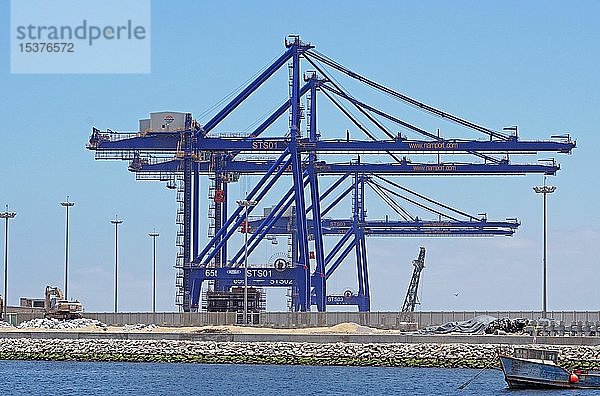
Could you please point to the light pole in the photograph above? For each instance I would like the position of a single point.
(246, 204)
(153, 235)
(116, 222)
(67, 205)
(545, 190)
(6, 215)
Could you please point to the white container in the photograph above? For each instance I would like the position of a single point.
(167, 121)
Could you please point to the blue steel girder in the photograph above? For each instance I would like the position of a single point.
(264, 226)
(253, 86)
(359, 244)
(293, 51)
(320, 287)
(168, 142)
(334, 264)
(235, 219)
(257, 277)
(298, 183)
(268, 122)
(375, 228)
(398, 145)
(351, 299)
(402, 168)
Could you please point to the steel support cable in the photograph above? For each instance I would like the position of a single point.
(391, 203)
(239, 88)
(471, 217)
(266, 114)
(409, 126)
(427, 208)
(379, 112)
(420, 105)
(399, 121)
(357, 123)
(337, 85)
(245, 93)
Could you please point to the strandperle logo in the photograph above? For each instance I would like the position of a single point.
(80, 36)
(85, 31)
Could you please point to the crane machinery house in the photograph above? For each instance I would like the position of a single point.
(163, 121)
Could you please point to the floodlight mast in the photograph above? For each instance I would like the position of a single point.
(544, 190)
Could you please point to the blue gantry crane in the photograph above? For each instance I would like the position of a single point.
(175, 148)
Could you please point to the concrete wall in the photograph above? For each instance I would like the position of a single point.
(384, 320)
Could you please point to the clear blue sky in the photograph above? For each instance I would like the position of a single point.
(533, 64)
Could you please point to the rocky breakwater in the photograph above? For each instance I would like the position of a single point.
(415, 354)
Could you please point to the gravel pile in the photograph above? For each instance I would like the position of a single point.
(56, 324)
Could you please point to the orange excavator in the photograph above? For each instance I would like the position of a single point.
(56, 307)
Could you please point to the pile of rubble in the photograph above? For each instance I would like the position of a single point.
(56, 324)
(139, 326)
(506, 325)
(5, 324)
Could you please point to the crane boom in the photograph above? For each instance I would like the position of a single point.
(411, 298)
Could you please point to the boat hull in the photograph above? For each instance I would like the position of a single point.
(526, 374)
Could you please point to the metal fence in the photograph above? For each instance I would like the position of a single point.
(383, 320)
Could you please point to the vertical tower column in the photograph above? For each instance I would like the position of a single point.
(297, 172)
(187, 211)
(365, 301)
(320, 281)
(196, 210)
(360, 243)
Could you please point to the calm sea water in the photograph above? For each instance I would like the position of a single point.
(92, 378)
